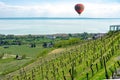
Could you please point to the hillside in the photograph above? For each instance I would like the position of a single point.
(91, 60)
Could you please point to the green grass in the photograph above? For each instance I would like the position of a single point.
(100, 75)
(6, 60)
(21, 50)
(58, 66)
(11, 64)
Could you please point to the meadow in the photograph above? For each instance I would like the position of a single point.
(28, 47)
(9, 63)
(95, 59)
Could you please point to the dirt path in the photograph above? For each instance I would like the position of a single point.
(57, 51)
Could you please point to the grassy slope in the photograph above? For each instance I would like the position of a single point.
(64, 61)
(11, 64)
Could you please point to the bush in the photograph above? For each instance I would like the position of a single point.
(64, 43)
(1, 55)
(23, 56)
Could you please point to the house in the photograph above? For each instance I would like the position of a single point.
(47, 44)
(98, 35)
(18, 57)
(51, 36)
(114, 27)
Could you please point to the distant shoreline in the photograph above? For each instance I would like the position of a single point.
(48, 18)
(51, 34)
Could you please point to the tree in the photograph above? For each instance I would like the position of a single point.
(33, 45)
(84, 35)
(44, 44)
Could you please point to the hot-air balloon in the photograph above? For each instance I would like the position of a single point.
(79, 8)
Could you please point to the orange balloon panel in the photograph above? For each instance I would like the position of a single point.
(79, 8)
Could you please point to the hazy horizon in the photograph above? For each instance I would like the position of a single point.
(54, 26)
(64, 17)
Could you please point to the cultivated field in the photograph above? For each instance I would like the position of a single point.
(90, 60)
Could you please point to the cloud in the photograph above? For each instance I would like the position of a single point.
(102, 10)
(65, 9)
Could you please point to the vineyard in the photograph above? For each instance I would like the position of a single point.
(90, 60)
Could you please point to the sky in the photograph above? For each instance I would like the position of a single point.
(59, 8)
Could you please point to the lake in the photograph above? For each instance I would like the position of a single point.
(21, 26)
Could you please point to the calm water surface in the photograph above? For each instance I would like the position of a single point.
(52, 26)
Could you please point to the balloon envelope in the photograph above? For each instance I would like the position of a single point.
(79, 8)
